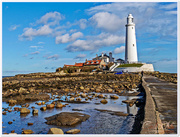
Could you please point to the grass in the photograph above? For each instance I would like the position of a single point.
(129, 65)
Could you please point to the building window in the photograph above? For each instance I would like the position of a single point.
(132, 27)
(133, 45)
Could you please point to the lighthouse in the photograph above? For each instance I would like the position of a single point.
(131, 48)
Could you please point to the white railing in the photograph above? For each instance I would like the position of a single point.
(115, 65)
(112, 66)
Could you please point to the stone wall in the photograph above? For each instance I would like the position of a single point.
(145, 67)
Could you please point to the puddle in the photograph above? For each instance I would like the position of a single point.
(98, 123)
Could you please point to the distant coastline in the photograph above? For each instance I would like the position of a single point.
(6, 76)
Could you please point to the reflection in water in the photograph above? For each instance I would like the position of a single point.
(92, 126)
(131, 110)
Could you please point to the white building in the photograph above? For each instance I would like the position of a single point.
(130, 48)
(107, 59)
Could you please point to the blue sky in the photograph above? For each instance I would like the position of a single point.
(40, 37)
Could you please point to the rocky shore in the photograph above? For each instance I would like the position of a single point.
(29, 86)
(57, 91)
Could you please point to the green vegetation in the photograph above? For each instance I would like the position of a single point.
(130, 65)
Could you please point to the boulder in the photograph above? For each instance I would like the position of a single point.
(100, 96)
(27, 105)
(71, 99)
(24, 111)
(104, 101)
(30, 124)
(22, 90)
(35, 111)
(109, 90)
(27, 131)
(82, 87)
(43, 108)
(49, 106)
(78, 99)
(39, 103)
(55, 131)
(67, 118)
(73, 131)
(59, 105)
(10, 122)
(12, 102)
(83, 95)
(114, 97)
(16, 108)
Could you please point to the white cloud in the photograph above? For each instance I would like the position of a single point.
(51, 18)
(80, 56)
(83, 23)
(36, 52)
(36, 47)
(169, 6)
(107, 21)
(96, 42)
(53, 57)
(67, 38)
(13, 27)
(41, 42)
(155, 17)
(29, 33)
(119, 50)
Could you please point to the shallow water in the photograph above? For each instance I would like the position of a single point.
(98, 123)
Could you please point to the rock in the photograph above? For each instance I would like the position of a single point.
(27, 105)
(71, 99)
(100, 96)
(10, 122)
(24, 111)
(16, 108)
(67, 118)
(98, 90)
(82, 87)
(73, 131)
(129, 101)
(49, 106)
(43, 108)
(22, 90)
(12, 102)
(104, 101)
(27, 131)
(35, 111)
(109, 90)
(10, 110)
(55, 131)
(59, 105)
(4, 112)
(30, 124)
(83, 95)
(12, 131)
(43, 103)
(39, 103)
(78, 99)
(114, 97)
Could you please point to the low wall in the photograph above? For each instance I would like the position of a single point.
(145, 67)
(152, 123)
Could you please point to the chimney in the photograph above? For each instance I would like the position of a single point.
(96, 55)
(102, 54)
(86, 60)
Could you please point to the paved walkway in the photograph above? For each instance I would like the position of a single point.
(161, 106)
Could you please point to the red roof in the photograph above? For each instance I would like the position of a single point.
(92, 62)
(79, 64)
(68, 65)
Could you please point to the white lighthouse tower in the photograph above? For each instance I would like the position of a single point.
(131, 48)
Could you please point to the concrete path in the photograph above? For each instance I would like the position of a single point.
(161, 106)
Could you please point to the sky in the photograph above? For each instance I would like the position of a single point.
(40, 37)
